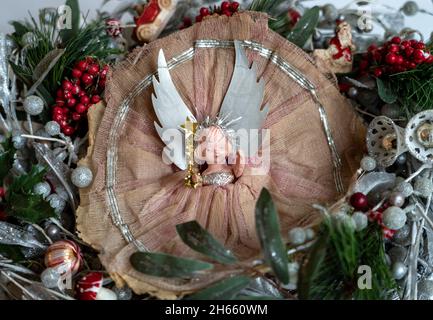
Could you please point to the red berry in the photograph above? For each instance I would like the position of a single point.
(67, 95)
(57, 110)
(393, 48)
(396, 40)
(58, 117)
(76, 116)
(2, 192)
(105, 69)
(85, 100)
(418, 54)
(420, 45)
(408, 51)
(198, 19)
(82, 65)
(225, 6)
(95, 99)
(87, 79)
(59, 93)
(372, 47)
(359, 201)
(388, 233)
(68, 130)
(375, 216)
(76, 90)
(412, 65)
(391, 58)
(93, 69)
(234, 6)
(429, 59)
(102, 83)
(71, 102)
(67, 85)
(405, 43)
(227, 13)
(413, 42)
(80, 108)
(378, 72)
(76, 73)
(204, 12)
(399, 60)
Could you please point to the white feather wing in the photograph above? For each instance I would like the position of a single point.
(171, 112)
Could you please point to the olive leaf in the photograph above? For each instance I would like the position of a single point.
(165, 265)
(226, 289)
(385, 91)
(304, 28)
(198, 239)
(268, 230)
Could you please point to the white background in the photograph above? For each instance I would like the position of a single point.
(18, 10)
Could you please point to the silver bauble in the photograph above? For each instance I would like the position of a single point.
(50, 278)
(353, 92)
(394, 218)
(124, 293)
(33, 105)
(56, 202)
(42, 188)
(398, 270)
(53, 231)
(405, 188)
(410, 8)
(18, 141)
(309, 234)
(360, 220)
(297, 236)
(425, 290)
(401, 159)
(368, 163)
(82, 177)
(396, 199)
(423, 186)
(52, 128)
(330, 12)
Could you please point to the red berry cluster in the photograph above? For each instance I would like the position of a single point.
(227, 8)
(78, 94)
(359, 202)
(394, 56)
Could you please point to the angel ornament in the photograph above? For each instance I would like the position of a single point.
(218, 146)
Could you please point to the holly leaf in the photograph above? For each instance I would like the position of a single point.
(385, 91)
(29, 208)
(165, 265)
(304, 28)
(68, 34)
(6, 158)
(226, 289)
(198, 239)
(19, 28)
(268, 230)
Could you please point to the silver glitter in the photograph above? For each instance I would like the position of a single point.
(394, 218)
(50, 278)
(33, 105)
(52, 128)
(218, 179)
(82, 177)
(56, 202)
(43, 189)
(13, 235)
(297, 236)
(360, 219)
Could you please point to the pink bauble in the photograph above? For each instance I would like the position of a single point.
(64, 256)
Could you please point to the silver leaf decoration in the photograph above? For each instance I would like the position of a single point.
(14, 235)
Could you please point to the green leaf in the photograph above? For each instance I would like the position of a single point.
(304, 28)
(29, 208)
(268, 230)
(165, 265)
(198, 239)
(226, 289)
(385, 91)
(20, 28)
(6, 158)
(68, 34)
(309, 273)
